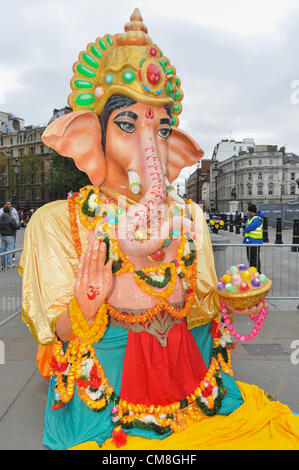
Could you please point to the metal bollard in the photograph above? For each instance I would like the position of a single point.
(278, 239)
(265, 230)
(295, 236)
(225, 222)
(231, 223)
(238, 224)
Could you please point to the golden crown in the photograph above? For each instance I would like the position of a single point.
(127, 64)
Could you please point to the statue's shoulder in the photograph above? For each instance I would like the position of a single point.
(52, 214)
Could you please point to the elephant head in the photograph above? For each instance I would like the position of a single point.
(130, 144)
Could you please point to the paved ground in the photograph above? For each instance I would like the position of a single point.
(23, 392)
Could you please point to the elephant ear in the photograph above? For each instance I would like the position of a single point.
(182, 151)
(78, 135)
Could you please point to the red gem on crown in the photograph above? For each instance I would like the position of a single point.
(153, 51)
(153, 74)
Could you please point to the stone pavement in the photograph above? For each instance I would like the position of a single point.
(23, 392)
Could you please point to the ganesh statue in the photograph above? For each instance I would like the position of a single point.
(119, 284)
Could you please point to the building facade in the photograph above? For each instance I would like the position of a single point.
(29, 188)
(196, 187)
(263, 174)
(229, 147)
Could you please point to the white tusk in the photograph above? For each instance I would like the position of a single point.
(173, 194)
(134, 182)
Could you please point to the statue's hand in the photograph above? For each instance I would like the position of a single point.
(94, 278)
(245, 311)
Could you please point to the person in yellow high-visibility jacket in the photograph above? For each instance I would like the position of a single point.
(253, 236)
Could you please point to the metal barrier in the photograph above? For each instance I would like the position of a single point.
(10, 287)
(278, 262)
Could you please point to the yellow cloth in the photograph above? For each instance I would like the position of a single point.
(257, 425)
(203, 310)
(49, 264)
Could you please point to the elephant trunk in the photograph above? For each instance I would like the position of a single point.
(148, 220)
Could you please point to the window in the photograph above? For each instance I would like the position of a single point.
(21, 152)
(249, 162)
(292, 176)
(260, 176)
(32, 150)
(270, 177)
(249, 189)
(260, 162)
(260, 190)
(270, 161)
(1, 141)
(249, 176)
(42, 148)
(270, 190)
(293, 190)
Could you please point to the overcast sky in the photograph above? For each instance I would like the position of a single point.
(237, 60)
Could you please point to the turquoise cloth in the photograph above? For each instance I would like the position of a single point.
(76, 423)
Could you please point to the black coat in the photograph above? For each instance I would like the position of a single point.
(8, 224)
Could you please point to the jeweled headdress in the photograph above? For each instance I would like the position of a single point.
(127, 64)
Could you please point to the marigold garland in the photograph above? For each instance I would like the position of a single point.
(80, 326)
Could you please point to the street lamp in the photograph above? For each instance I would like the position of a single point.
(16, 168)
(216, 172)
(281, 191)
(51, 171)
(197, 181)
(9, 154)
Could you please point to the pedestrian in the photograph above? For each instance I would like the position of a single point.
(15, 214)
(14, 211)
(253, 236)
(8, 228)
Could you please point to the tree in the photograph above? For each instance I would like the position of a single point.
(66, 177)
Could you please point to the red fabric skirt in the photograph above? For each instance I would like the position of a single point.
(153, 374)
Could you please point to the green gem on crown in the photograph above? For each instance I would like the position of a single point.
(87, 72)
(102, 44)
(96, 51)
(128, 76)
(85, 99)
(90, 60)
(169, 88)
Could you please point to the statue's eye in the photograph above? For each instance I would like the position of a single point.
(125, 126)
(164, 132)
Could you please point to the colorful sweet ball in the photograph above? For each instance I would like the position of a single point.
(247, 275)
(229, 287)
(233, 269)
(239, 278)
(244, 287)
(236, 279)
(256, 282)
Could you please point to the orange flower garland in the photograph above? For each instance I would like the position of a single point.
(74, 226)
(80, 326)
